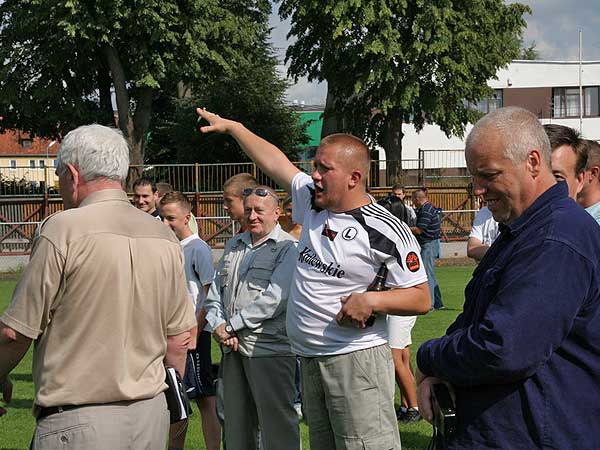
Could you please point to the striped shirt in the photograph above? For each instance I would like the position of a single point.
(428, 220)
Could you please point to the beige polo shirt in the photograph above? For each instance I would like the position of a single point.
(104, 288)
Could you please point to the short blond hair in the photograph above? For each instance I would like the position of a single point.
(176, 197)
(237, 183)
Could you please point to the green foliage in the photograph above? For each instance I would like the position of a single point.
(19, 186)
(403, 60)
(55, 65)
(530, 52)
(254, 95)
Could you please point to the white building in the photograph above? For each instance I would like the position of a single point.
(549, 89)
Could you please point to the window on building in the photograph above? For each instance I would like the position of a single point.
(591, 103)
(32, 163)
(42, 163)
(55, 162)
(489, 104)
(565, 102)
(13, 164)
(26, 143)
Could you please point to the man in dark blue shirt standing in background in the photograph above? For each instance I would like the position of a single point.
(524, 355)
(428, 230)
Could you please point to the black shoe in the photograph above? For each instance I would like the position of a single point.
(410, 416)
(400, 411)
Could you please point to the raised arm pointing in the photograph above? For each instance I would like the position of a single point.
(268, 157)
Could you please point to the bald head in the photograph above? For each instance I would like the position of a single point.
(352, 152)
(518, 129)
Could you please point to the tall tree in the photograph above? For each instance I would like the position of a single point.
(254, 94)
(62, 59)
(393, 61)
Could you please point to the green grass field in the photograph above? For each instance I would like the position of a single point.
(16, 427)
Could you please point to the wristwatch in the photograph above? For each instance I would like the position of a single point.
(229, 329)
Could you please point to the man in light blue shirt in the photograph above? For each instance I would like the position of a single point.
(589, 197)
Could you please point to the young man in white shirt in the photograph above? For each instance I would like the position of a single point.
(347, 368)
(175, 210)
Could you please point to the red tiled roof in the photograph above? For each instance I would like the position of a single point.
(11, 144)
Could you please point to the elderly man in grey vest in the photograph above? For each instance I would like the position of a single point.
(246, 308)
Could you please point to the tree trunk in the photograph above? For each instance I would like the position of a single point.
(332, 122)
(392, 144)
(134, 128)
(183, 90)
(104, 84)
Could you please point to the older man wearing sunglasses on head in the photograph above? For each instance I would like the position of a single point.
(246, 308)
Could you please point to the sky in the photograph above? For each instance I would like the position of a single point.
(553, 25)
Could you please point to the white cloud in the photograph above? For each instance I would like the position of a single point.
(554, 25)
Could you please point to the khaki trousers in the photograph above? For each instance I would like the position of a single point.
(259, 393)
(130, 425)
(348, 400)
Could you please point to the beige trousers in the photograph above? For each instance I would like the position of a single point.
(131, 425)
(348, 400)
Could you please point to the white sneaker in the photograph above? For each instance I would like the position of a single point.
(298, 408)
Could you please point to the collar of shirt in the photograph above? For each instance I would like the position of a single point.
(104, 195)
(554, 193)
(273, 235)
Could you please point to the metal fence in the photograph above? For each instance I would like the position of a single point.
(443, 167)
(433, 167)
(28, 195)
(16, 238)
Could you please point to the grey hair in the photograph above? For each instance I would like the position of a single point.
(97, 151)
(519, 129)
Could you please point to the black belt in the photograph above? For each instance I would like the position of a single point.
(45, 412)
(50, 410)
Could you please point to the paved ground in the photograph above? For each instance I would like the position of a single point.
(13, 263)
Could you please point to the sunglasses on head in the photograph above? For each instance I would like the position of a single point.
(261, 192)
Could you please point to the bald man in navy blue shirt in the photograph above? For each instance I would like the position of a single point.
(523, 358)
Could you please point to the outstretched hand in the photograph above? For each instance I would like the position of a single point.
(216, 123)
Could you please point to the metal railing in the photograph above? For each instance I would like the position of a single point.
(16, 237)
(432, 168)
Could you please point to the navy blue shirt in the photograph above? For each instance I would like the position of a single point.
(428, 220)
(524, 355)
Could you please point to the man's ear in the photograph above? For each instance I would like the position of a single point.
(534, 162)
(594, 173)
(75, 175)
(356, 178)
(580, 177)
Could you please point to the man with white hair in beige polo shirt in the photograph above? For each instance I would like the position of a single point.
(91, 299)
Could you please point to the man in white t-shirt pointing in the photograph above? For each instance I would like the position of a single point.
(347, 368)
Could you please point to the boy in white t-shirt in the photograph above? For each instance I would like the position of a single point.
(175, 210)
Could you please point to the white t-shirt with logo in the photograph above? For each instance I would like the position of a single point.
(199, 269)
(340, 253)
(485, 228)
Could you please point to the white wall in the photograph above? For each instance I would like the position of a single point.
(527, 74)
